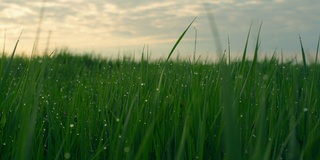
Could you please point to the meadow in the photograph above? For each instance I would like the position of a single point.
(67, 106)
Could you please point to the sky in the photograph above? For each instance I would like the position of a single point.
(118, 27)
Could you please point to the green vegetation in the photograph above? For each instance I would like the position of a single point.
(88, 108)
(82, 107)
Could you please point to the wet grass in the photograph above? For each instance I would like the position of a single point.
(81, 107)
(65, 106)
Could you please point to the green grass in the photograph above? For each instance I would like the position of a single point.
(96, 109)
(81, 107)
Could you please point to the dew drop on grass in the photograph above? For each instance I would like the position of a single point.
(67, 155)
(265, 77)
(71, 125)
(117, 119)
(126, 149)
(305, 109)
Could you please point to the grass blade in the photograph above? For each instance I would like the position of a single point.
(172, 50)
(255, 57)
(215, 33)
(303, 54)
(317, 52)
(229, 110)
(179, 39)
(245, 51)
(253, 66)
(6, 72)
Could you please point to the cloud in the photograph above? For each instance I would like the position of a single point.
(131, 24)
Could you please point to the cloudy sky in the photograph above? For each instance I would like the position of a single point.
(122, 26)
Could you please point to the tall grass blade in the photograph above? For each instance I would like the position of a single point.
(255, 57)
(4, 42)
(254, 62)
(172, 50)
(36, 41)
(229, 56)
(195, 44)
(317, 52)
(215, 32)
(179, 39)
(261, 144)
(245, 51)
(303, 54)
(229, 110)
(46, 50)
(35, 83)
(183, 137)
(5, 76)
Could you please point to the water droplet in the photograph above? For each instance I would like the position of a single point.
(265, 77)
(71, 125)
(67, 155)
(305, 109)
(126, 149)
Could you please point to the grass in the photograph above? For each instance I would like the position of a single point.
(81, 107)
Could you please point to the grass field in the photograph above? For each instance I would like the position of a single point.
(81, 107)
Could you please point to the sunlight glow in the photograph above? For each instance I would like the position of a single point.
(101, 25)
(15, 11)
